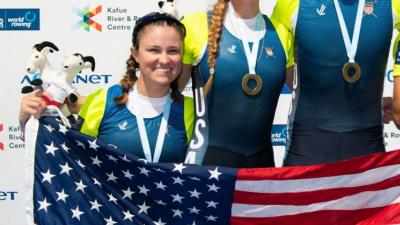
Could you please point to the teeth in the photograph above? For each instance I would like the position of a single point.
(164, 70)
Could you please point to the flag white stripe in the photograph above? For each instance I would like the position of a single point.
(31, 131)
(312, 184)
(368, 199)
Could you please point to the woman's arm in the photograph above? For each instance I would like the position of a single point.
(396, 101)
(185, 76)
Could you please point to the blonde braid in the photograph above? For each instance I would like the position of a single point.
(214, 36)
(128, 80)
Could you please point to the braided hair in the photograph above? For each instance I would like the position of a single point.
(216, 24)
(129, 79)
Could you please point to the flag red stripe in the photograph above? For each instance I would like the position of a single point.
(373, 216)
(351, 166)
(310, 197)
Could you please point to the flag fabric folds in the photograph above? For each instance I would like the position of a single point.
(76, 179)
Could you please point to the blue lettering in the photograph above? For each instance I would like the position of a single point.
(26, 79)
(5, 194)
(86, 79)
(92, 79)
(389, 76)
(106, 76)
(80, 78)
(12, 194)
(95, 79)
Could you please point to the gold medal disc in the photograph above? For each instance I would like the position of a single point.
(245, 84)
(346, 68)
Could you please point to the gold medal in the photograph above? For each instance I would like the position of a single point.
(245, 84)
(354, 78)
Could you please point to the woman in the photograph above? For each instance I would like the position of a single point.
(144, 115)
(396, 85)
(341, 65)
(243, 57)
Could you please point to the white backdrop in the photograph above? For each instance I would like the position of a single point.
(110, 47)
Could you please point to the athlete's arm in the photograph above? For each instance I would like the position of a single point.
(396, 84)
(289, 77)
(184, 77)
(396, 101)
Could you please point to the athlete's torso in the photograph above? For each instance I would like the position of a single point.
(324, 99)
(238, 122)
(119, 127)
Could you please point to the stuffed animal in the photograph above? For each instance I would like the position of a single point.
(38, 64)
(169, 7)
(60, 86)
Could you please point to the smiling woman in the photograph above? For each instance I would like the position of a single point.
(144, 114)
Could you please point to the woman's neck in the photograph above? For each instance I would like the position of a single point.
(151, 91)
(246, 9)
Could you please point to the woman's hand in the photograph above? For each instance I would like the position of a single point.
(32, 104)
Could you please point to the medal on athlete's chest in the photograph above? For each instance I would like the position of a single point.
(252, 82)
(247, 79)
(351, 70)
(346, 71)
(251, 76)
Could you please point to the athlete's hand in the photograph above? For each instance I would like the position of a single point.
(31, 104)
(387, 108)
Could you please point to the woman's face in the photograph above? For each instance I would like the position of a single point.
(159, 54)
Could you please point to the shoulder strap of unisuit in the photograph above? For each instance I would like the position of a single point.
(92, 112)
(396, 12)
(396, 56)
(196, 37)
(188, 113)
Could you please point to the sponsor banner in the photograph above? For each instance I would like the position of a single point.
(103, 18)
(19, 19)
(79, 79)
(8, 195)
(1, 143)
(10, 138)
(278, 135)
(389, 76)
(392, 137)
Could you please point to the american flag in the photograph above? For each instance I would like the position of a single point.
(76, 179)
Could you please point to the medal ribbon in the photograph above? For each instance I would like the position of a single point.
(351, 46)
(161, 133)
(251, 56)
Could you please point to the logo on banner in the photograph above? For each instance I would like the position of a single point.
(278, 136)
(389, 76)
(19, 19)
(8, 195)
(1, 143)
(391, 137)
(87, 21)
(79, 79)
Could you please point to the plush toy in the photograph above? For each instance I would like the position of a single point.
(38, 64)
(169, 7)
(60, 86)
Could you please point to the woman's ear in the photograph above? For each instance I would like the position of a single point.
(135, 54)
